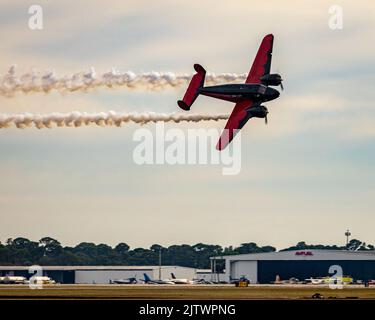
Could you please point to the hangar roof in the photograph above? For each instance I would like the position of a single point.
(303, 255)
(91, 268)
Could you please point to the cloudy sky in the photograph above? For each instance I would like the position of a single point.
(309, 175)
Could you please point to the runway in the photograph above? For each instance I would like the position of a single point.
(187, 292)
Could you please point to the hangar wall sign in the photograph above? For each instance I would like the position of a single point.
(304, 253)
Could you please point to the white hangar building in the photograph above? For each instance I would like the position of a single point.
(100, 274)
(301, 264)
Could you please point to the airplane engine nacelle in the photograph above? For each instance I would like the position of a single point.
(272, 79)
(258, 112)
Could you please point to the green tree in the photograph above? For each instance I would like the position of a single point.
(48, 251)
(122, 248)
(52, 248)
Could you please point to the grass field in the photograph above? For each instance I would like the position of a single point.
(199, 292)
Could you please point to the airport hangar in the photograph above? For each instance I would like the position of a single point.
(300, 264)
(100, 274)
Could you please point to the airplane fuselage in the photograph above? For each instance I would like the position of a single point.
(238, 92)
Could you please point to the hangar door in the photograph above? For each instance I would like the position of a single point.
(104, 276)
(249, 269)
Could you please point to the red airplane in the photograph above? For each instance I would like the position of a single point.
(248, 97)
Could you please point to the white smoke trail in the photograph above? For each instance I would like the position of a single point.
(11, 83)
(111, 118)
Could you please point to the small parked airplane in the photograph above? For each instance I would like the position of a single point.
(148, 280)
(320, 280)
(248, 96)
(179, 281)
(132, 280)
(13, 280)
(330, 280)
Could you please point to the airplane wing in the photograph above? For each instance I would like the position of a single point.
(240, 114)
(262, 61)
(236, 121)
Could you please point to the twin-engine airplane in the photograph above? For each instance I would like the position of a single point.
(248, 97)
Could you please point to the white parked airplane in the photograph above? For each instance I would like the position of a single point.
(13, 280)
(42, 280)
(180, 281)
(315, 280)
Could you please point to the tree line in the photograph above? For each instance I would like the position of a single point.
(49, 251)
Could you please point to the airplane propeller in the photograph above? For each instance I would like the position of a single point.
(266, 120)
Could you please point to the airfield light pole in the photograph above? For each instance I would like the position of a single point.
(160, 263)
(215, 275)
(212, 274)
(347, 234)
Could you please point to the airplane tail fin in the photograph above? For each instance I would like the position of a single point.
(173, 276)
(192, 91)
(147, 278)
